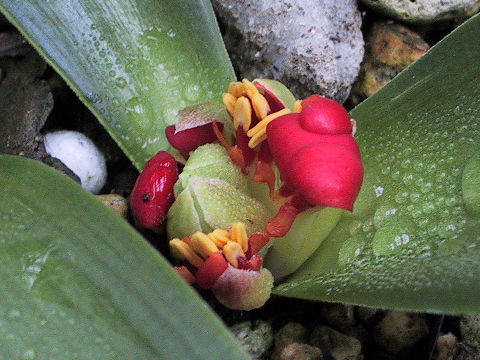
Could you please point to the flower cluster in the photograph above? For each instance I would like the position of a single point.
(223, 261)
(311, 144)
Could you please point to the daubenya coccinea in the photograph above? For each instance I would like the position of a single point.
(302, 153)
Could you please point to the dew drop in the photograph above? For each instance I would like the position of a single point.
(192, 93)
(401, 198)
(120, 82)
(14, 314)
(383, 213)
(28, 354)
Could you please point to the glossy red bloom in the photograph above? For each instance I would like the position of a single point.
(316, 153)
(152, 194)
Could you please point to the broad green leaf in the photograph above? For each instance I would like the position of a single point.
(414, 242)
(79, 283)
(133, 63)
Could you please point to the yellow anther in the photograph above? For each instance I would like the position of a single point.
(242, 113)
(239, 235)
(220, 237)
(237, 89)
(297, 107)
(249, 88)
(260, 105)
(231, 251)
(262, 125)
(181, 250)
(202, 244)
(229, 102)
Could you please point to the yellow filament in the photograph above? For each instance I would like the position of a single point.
(260, 105)
(237, 89)
(242, 113)
(229, 102)
(202, 244)
(262, 125)
(257, 139)
(181, 250)
(220, 237)
(297, 107)
(249, 88)
(231, 251)
(239, 235)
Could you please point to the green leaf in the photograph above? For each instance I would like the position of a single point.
(133, 63)
(79, 283)
(414, 243)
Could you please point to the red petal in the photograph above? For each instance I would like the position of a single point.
(211, 270)
(152, 194)
(275, 103)
(190, 139)
(265, 174)
(264, 153)
(282, 222)
(327, 174)
(256, 242)
(254, 263)
(285, 138)
(185, 274)
(324, 116)
(241, 141)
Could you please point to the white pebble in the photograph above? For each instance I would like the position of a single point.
(80, 155)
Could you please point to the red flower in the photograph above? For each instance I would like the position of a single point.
(316, 153)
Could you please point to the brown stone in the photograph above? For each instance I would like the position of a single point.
(288, 334)
(390, 48)
(340, 346)
(446, 348)
(400, 330)
(298, 351)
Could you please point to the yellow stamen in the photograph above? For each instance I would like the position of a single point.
(220, 237)
(231, 251)
(237, 89)
(249, 88)
(260, 105)
(181, 250)
(242, 113)
(239, 235)
(297, 107)
(229, 102)
(262, 125)
(257, 139)
(202, 244)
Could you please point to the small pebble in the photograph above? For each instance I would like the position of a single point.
(390, 48)
(366, 314)
(446, 348)
(470, 330)
(399, 330)
(255, 337)
(296, 351)
(425, 11)
(340, 346)
(338, 316)
(115, 202)
(80, 155)
(286, 335)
